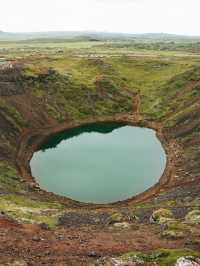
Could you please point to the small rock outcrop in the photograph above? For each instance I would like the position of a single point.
(133, 261)
(172, 234)
(161, 216)
(188, 261)
(123, 225)
(193, 217)
(18, 263)
(11, 82)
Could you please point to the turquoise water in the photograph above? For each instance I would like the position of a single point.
(100, 163)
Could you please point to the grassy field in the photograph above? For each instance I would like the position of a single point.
(139, 70)
(145, 68)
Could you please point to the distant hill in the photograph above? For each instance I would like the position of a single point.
(81, 35)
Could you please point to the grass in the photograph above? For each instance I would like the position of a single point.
(15, 203)
(9, 178)
(12, 115)
(145, 75)
(164, 257)
(39, 44)
(26, 210)
(75, 98)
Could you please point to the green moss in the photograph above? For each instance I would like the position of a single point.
(27, 210)
(12, 115)
(145, 75)
(164, 257)
(9, 178)
(75, 100)
(182, 115)
(116, 218)
(15, 263)
(177, 225)
(196, 89)
(175, 254)
(172, 234)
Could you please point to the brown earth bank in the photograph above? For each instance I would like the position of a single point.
(155, 219)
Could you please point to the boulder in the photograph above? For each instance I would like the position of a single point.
(188, 261)
(123, 225)
(193, 217)
(161, 216)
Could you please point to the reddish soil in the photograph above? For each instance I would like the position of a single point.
(77, 245)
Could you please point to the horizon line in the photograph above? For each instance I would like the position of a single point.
(96, 31)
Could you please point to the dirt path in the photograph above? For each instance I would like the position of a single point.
(137, 112)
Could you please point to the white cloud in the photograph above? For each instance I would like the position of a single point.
(173, 16)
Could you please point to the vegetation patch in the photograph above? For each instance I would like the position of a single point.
(26, 210)
(163, 257)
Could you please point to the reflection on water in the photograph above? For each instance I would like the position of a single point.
(100, 163)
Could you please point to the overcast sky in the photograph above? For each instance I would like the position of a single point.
(135, 16)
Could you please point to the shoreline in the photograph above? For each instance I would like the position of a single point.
(31, 141)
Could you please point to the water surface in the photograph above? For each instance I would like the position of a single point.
(100, 163)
